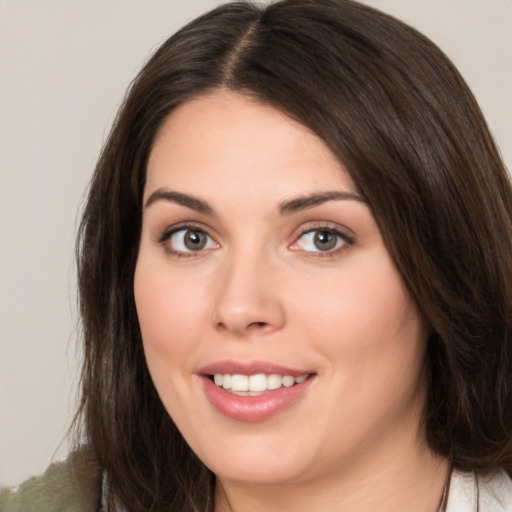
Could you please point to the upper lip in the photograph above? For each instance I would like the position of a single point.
(250, 368)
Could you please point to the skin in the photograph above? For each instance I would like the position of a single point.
(261, 290)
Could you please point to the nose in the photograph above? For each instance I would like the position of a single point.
(248, 299)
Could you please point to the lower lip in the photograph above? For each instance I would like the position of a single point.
(252, 409)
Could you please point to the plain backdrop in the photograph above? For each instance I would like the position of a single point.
(64, 68)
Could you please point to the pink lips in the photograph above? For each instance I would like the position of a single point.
(252, 408)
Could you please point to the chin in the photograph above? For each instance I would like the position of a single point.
(258, 472)
(257, 460)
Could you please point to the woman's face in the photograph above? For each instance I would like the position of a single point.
(276, 327)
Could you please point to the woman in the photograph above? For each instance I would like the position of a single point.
(293, 269)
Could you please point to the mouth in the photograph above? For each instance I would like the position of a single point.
(256, 384)
(253, 392)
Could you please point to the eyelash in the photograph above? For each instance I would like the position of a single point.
(163, 238)
(343, 237)
(346, 240)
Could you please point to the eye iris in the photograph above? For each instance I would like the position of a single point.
(194, 240)
(325, 240)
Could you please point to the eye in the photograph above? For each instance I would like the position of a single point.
(188, 240)
(321, 240)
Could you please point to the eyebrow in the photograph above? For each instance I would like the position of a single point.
(311, 200)
(285, 208)
(186, 200)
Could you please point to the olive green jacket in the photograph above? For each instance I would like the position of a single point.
(57, 490)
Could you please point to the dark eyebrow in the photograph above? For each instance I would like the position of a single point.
(309, 201)
(186, 200)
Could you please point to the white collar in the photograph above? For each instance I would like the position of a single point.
(472, 493)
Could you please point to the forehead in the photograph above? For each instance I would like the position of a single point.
(225, 139)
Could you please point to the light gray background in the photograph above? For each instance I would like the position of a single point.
(65, 65)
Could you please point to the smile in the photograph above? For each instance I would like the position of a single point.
(255, 385)
(254, 391)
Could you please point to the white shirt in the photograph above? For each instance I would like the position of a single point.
(472, 493)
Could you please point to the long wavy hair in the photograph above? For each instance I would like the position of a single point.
(399, 116)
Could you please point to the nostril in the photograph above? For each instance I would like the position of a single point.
(257, 324)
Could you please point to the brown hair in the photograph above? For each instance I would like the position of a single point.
(394, 109)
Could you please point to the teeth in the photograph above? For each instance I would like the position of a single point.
(240, 383)
(274, 381)
(226, 381)
(288, 381)
(257, 383)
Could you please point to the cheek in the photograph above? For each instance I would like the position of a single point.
(169, 315)
(369, 331)
(171, 323)
(364, 320)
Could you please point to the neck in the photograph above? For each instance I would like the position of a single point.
(397, 481)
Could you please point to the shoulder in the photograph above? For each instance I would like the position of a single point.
(62, 488)
(469, 492)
